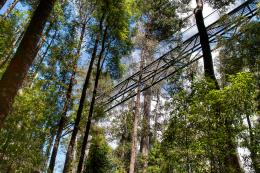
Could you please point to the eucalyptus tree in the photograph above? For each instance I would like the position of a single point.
(63, 119)
(159, 21)
(113, 36)
(241, 53)
(35, 111)
(231, 160)
(17, 70)
(68, 160)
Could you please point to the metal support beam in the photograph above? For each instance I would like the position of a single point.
(177, 58)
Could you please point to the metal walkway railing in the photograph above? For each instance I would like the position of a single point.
(177, 58)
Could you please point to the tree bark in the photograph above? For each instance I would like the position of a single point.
(66, 104)
(18, 68)
(157, 112)
(92, 104)
(81, 105)
(146, 128)
(2, 3)
(136, 119)
(204, 41)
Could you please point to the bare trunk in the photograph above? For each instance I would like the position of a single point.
(92, 104)
(81, 105)
(157, 112)
(136, 118)
(67, 103)
(11, 7)
(146, 128)
(204, 41)
(18, 68)
(2, 3)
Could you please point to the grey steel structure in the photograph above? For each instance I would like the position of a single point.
(178, 58)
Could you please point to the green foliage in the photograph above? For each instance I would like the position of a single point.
(160, 18)
(155, 162)
(242, 50)
(7, 36)
(99, 157)
(25, 132)
(203, 124)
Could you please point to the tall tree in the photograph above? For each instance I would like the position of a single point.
(82, 100)
(159, 22)
(118, 34)
(231, 160)
(92, 104)
(18, 68)
(67, 103)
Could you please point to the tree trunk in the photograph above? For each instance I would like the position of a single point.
(10, 8)
(136, 119)
(48, 150)
(92, 104)
(252, 146)
(18, 68)
(81, 105)
(66, 104)
(204, 41)
(2, 3)
(156, 123)
(231, 160)
(146, 128)
(79, 112)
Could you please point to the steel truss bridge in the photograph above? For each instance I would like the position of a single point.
(178, 57)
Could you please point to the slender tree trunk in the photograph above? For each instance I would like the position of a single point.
(146, 128)
(157, 108)
(18, 68)
(252, 145)
(48, 150)
(2, 3)
(148, 50)
(136, 118)
(79, 112)
(66, 104)
(81, 105)
(92, 104)
(10, 8)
